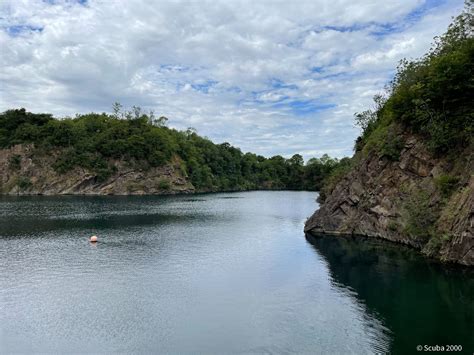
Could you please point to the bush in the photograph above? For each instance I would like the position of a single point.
(419, 216)
(436, 242)
(104, 173)
(23, 183)
(392, 147)
(14, 163)
(392, 226)
(336, 175)
(164, 184)
(446, 184)
(431, 96)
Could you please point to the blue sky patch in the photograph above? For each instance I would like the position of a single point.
(280, 84)
(54, 2)
(386, 29)
(304, 107)
(419, 12)
(204, 87)
(17, 30)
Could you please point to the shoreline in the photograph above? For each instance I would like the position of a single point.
(170, 193)
(380, 239)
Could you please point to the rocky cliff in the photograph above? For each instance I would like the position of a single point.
(25, 171)
(419, 200)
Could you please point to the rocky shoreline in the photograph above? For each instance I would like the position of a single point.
(374, 200)
(34, 175)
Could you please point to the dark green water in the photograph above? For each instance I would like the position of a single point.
(218, 273)
(421, 302)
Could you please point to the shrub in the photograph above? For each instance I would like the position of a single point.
(430, 96)
(104, 173)
(436, 242)
(392, 147)
(419, 215)
(164, 184)
(14, 163)
(392, 226)
(336, 175)
(23, 183)
(446, 184)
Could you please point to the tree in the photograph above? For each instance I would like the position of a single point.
(117, 109)
(296, 160)
(161, 122)
(93, 141)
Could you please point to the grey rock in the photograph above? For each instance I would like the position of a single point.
(371, 201)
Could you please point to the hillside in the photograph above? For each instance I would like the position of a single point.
(411, 178)
(132, 152)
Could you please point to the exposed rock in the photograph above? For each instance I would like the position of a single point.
(371, 200)
(24, 172)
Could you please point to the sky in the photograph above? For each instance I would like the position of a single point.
(270, 77)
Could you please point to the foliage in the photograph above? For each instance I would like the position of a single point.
(436, 242)
(392, 226)
(367, 120)
(392, 147)
(419, 215)
(334, 177)
(386, 140)
(164, 184)
(446, 184)
(431, 96)
(23, 183)
(93, 141)
(14, 162)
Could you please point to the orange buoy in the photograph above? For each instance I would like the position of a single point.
(93, 239)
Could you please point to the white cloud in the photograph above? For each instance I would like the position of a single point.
(273, 77)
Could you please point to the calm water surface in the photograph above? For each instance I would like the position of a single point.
(217, 273)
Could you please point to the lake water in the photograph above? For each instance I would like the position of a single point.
(215, 273)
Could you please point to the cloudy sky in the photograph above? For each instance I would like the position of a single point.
(271, 77)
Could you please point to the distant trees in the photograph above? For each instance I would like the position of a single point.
(93, 140)
(317, 171)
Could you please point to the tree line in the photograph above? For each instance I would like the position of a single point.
(92, 141)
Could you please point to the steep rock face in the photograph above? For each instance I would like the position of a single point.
(378, 198)
(24, 172)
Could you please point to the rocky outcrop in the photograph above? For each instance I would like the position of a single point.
(419, 200)
(25, 171)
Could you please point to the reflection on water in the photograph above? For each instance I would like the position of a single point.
(420, 301)
(216, 273)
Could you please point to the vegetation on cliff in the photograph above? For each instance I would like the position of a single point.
(93, 141)
(431, 96)
(410, 178)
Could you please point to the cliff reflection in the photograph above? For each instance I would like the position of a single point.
(405, 290)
